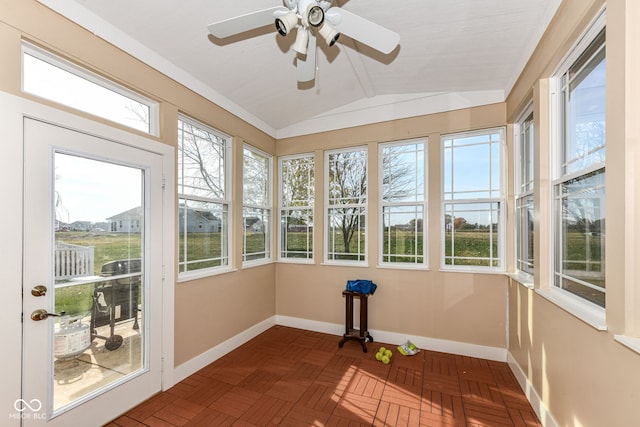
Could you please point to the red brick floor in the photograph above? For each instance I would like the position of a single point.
(292, 377)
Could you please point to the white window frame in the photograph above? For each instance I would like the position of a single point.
(417, 203)
(94, 79)
(226, 201)
(523, 191)
(309, 206)
(584, 309)
(362, 252)
(499, 199)
(267, 208)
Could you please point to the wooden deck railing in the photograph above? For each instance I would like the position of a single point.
(73, 261)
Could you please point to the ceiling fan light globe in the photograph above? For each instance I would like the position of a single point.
(329, 34)
(302, 41)
(315, 16)
(285, 23)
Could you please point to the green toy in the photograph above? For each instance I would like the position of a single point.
(384, 355)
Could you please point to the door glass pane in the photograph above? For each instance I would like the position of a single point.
(98, 270)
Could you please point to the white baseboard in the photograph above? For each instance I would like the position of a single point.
(194, 365)
(310, 325)
(532, 395)
(445, 346)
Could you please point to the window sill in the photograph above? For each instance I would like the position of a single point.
(592, 316)
(346, 264)
(296, 261)
(256, 263)
(194, 275)
(631, 343)
(488, 270)
(403, 267)
(522, 279)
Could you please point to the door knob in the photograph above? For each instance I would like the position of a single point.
(41, 314)
(39, 291)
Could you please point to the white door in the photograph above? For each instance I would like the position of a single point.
(92, 277)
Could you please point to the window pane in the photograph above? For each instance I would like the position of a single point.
(403, 173)
(580, 265)
(447, 175)
(203, 235)
(255, 179)
(297, 233)
(347, 177)
(471, 234)
(525, 160)
(496, 172)
(472, 167)
(298, 181)
(403, 239)
(346, 234)
(202, 169)
(471, 171)
(43, 78)
(255, 243)
(585, 93)
(524, 248)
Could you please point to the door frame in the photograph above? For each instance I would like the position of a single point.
(13, 110)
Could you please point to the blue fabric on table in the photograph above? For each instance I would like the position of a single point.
(361, 286)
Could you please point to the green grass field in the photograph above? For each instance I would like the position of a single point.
(76, 300)
(471, 248)
(583, 254)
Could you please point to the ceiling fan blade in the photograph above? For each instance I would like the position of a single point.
(307, 67)
(363, 30)
(247, 22)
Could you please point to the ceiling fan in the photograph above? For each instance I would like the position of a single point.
(310, 19)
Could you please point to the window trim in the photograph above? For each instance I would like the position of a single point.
(209, 271)
(77, 70)
(424, 265)
(501, 200)
(327, 207)
(268, 258)
(310, 206)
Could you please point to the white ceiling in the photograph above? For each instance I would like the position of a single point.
(452, 54)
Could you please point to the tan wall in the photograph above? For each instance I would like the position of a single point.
(469, 308)
(584, 376)
(208, 311)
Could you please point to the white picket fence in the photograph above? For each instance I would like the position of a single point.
(73, 261)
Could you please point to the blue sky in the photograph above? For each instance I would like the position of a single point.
(92, 190)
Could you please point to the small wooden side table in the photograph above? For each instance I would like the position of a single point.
(362, 335)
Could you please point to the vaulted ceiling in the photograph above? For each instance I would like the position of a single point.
(452, 54)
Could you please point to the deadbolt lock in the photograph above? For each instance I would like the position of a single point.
(39, 291)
